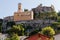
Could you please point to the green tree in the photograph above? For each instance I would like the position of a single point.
(10, 23)
(48, 31)
(51, 15)
(1, 21)
(59, 13)
(25, 10)
(7, 39)
(58, 20)
(18, 29)
(56, 26)
(13, 37)
(28, 29)
(0, 27)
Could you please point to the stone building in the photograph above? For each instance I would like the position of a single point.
(27, 18)
(8, 18)
(42, 10)
(20, 15)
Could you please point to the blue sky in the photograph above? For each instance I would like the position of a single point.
(8, 7)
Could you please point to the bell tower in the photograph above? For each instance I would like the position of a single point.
(19, 7)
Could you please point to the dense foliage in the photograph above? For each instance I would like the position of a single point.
(13, 37)
(59, 13)
(1, 21)
(18, 29)
(48, 31)
(11, 23)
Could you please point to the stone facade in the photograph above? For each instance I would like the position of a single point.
(8, 18)
(19, 15)
(42, 10)
(29, 15)
(27, 18)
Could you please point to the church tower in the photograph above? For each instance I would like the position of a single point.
(19, 7)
